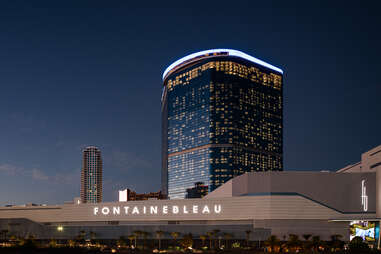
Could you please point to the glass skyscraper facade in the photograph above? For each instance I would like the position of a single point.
(91, 175)
(222, 116)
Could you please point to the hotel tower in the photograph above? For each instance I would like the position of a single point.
(91, 175)
(222, 116)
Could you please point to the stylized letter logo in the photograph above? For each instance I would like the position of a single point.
(364, 197)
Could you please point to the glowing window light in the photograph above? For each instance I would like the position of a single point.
(230, 52)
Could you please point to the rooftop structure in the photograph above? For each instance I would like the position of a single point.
(215, 53)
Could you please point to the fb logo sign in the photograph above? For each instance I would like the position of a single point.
(364, 197)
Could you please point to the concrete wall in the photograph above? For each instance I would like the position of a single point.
(336, 190)
(234, 208)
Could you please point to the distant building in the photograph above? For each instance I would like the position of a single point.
(369, 161)
(222, 116)
(198, 191)
(75, 201)
(123, 195)
(91, 176)
(129, 195)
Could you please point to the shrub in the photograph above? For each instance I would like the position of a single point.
(357, 245)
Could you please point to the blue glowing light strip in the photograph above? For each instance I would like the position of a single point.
(231, 52)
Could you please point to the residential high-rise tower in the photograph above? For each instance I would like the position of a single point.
(91, 175)
(222, 116)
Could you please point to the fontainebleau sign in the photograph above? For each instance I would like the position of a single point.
(157, 210)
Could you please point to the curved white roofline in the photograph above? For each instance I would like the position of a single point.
(231, 52)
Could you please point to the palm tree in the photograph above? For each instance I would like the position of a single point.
(307, 237)
(145, 235)
(121, 242)
(53, 243)
(210, 235)
(131, 238)
(293, 242)
(203, 238)
(306, 241)
(272, 242)
(175, 235)
(216, 232)
(71, 243)
(187, 241)
(93, 235)
(336, 243)
(316, 242)
(137, 234)
(159, 235)
(4, 234)
(81, 236)
(13, 238)
(227, 237)
(248, 232)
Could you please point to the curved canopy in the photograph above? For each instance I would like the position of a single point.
(229, 52)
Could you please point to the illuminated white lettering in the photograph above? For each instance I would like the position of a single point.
(206, 209)
(217, 208)
(135, 210)
(153, 209)
(105, 210)
(184, 209)
(116, 210)
(364, 197)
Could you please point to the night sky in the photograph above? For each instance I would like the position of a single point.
(78, 73)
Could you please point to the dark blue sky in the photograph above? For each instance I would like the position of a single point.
(77, 73)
